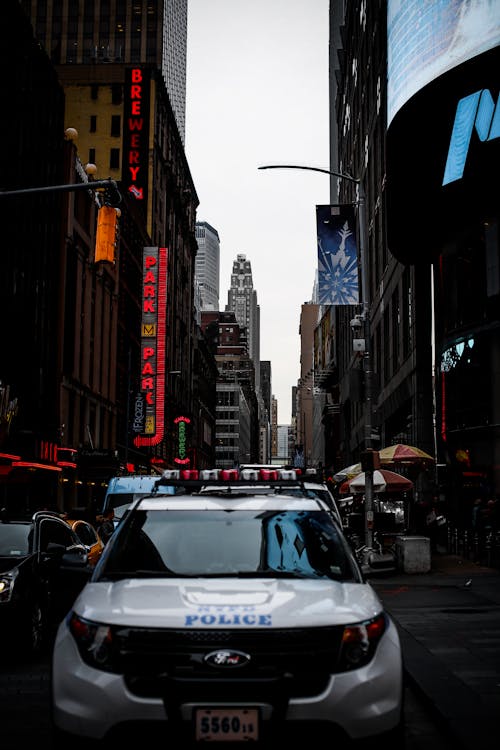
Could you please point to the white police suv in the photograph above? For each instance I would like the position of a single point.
(233, 611)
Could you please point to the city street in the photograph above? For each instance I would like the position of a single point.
(25, 722)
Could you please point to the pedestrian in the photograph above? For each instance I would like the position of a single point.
(106, 526)
(477, 515)
(432, 525)
(477, 524)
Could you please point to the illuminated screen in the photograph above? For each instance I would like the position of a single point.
(426, 39)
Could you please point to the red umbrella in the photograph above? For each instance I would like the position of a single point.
(403, 454)
(383, 481)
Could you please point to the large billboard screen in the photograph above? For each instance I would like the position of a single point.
(426, 39)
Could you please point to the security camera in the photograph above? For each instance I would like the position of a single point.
(356, 324)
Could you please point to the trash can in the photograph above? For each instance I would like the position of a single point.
(413, 554)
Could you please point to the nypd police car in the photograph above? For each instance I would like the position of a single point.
(232, 611)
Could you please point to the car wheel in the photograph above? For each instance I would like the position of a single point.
(63, 740)
(394, 739)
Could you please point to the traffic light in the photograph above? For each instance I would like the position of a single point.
(107, 235)
(108, 192)
(112, 195)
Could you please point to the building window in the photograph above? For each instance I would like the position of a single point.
(93, 123)
(116, 125)
(116, 93)
(94, 91)
(91, 155)
(114, 158)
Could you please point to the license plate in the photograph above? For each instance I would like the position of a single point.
(226, 724)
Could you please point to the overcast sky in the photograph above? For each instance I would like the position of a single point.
(257, 93)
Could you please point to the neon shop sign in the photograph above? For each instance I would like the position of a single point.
(153, 330)
(181, 423)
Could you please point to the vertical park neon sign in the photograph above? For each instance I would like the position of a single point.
(153, 329)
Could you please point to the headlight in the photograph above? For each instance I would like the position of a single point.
(7, 581)
(94, 641)
(360, 641)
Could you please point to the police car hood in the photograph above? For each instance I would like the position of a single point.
(227, 602)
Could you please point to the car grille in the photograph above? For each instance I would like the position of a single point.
(171, 663)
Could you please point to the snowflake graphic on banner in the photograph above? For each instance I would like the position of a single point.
(337, 256)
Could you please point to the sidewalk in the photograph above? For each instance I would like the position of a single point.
(449, 624)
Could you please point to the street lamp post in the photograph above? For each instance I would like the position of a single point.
(111, 194)
(367, 359)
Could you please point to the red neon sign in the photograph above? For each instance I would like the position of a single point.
(136, 133)
(153, 331)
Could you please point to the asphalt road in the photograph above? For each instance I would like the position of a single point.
(25, 721)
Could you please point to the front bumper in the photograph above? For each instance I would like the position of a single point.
(97, 705)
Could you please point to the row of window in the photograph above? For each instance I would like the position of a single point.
(114, 157)
(116, 125)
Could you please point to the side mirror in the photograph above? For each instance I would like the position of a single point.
(75, 557)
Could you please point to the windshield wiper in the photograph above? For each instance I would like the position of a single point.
(118, 574)
(255, 574)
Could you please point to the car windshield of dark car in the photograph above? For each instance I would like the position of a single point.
(230, 542)
(120, 503)
(14, 539)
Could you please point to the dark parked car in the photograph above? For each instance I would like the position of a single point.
(37, 587)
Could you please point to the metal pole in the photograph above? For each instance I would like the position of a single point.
(112, 194)
(367, 359)
(127, 406)
(367, 362)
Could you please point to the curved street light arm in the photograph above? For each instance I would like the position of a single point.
(343, 175)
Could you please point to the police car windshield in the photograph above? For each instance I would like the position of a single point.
(196, 543)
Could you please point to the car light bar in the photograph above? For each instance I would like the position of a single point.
(225, 477)
(230, 475)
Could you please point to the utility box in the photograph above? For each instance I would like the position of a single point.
(413, 554)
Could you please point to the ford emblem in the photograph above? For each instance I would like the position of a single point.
(225, 659)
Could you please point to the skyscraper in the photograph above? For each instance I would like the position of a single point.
(152, 32)
(174, 58)
(206, 272)
(242, 300)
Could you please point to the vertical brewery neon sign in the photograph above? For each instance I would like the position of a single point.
(136, 133)
(153, 328)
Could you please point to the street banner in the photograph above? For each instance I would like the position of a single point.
(337, 256)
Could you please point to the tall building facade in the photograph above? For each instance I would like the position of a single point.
(207, 266)
(242, 300)
(152, 32)
(274, 427)
(283, 451)
(431, 276)
(265, 422)
(457, 246)
(305, 427)
(109, 61)
(379, 379)
(237, 437)
(174, 56)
